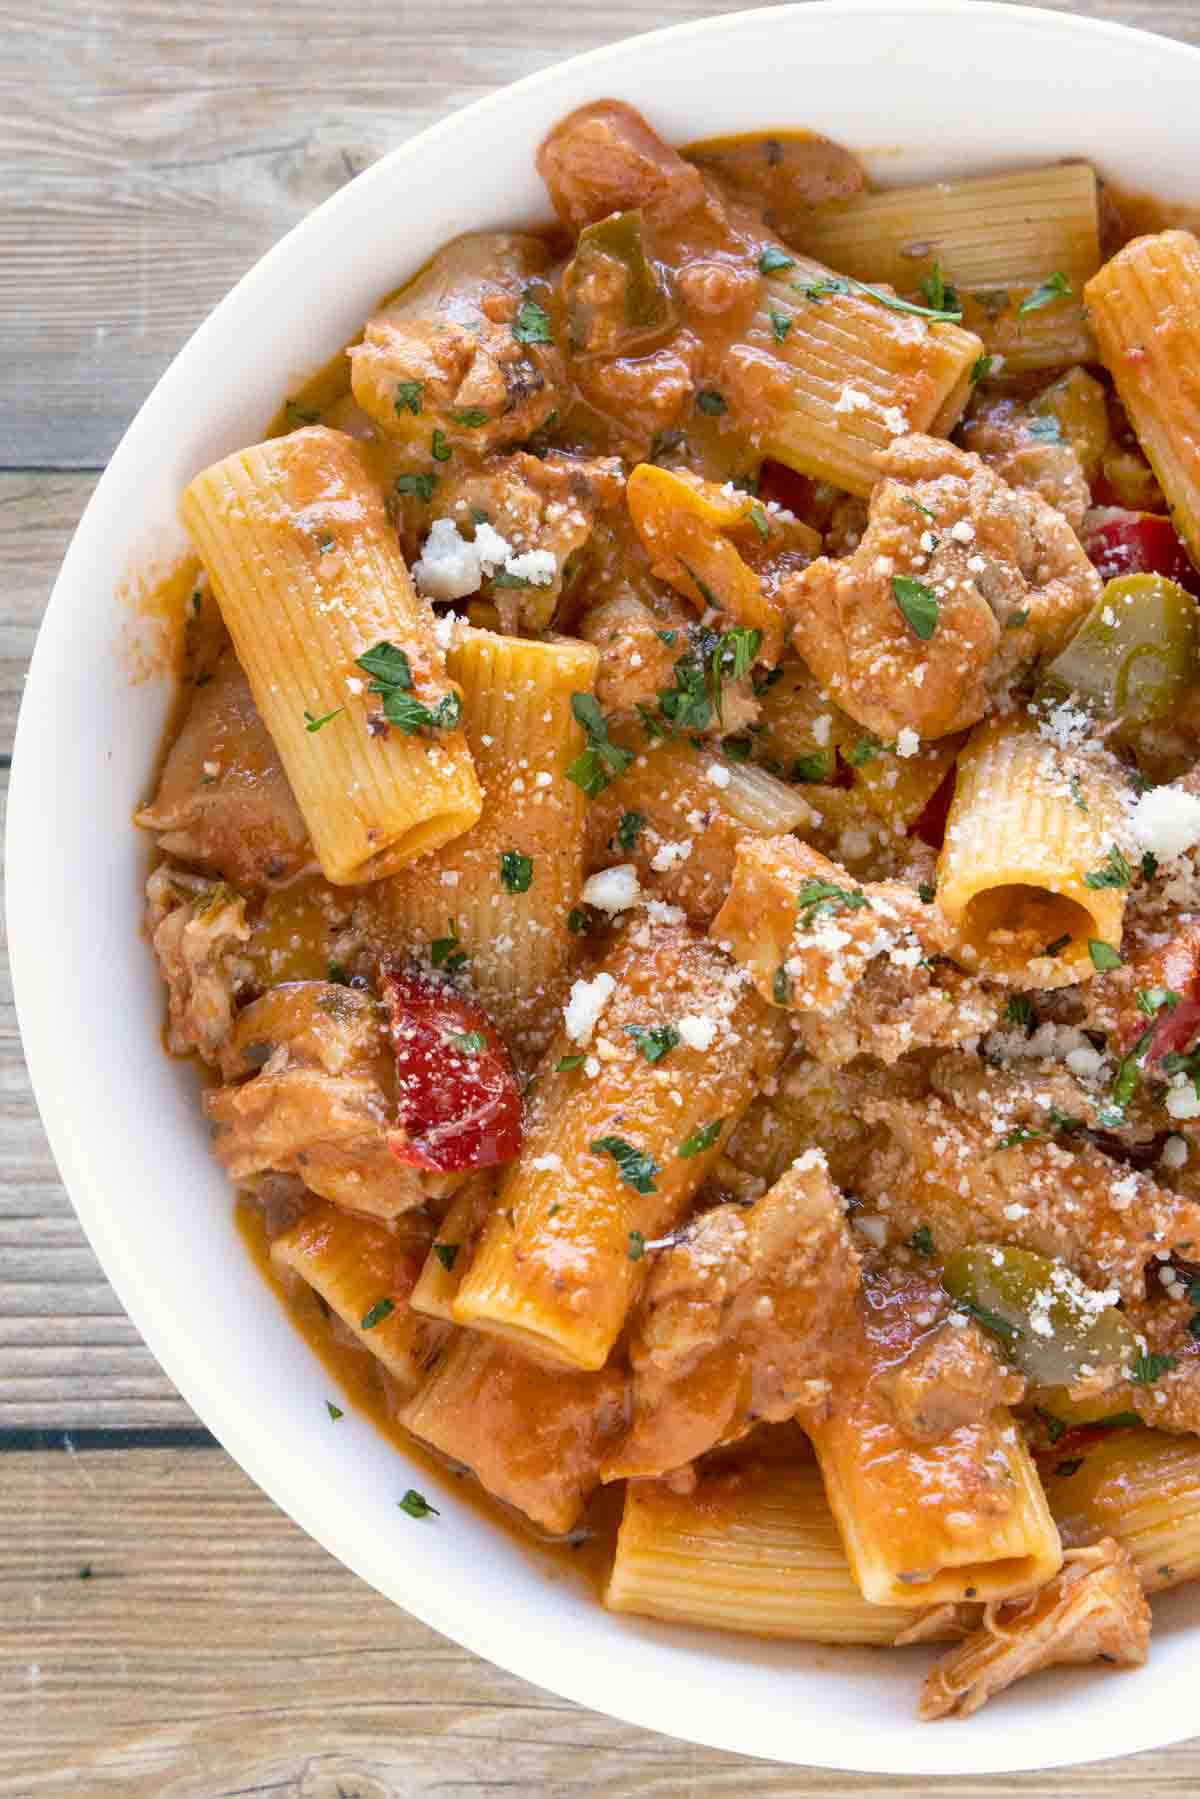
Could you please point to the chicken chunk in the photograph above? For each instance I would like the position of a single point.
(196, 930)
(941, 1169)
(636, 661)
(322, 1102)
(457, 350)
(604, 158)
(951, 1378)
(1005, 572)
(740, 1322)
(224, 801)
(1093, 1610)
(1029, 453)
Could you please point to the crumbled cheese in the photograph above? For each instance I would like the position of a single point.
(448, 566)
(550, 1164)
(697, 1031)
(445, 629)
(1174, 1152)
(613, 889)
(963, 531)
(810, 1161)
(907, 742)
(492, 549)
(543, 778)
(585, 1003)
(1183, 1101)
(852, 399)
(719, 776)
(1084, 1061)
(668, 854)
(874, 1229)
(1166, 821)
(821, 730)
(536, 566)
(449, 877)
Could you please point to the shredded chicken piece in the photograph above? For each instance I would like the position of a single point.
(1044, 1098)
(636, 664)
(896, 1010)
(948, 1171)
(224, 800)
(196, 929)
(814, 1106)
(950, 1378)
(741, 1320)
(1028, 453)
(1009, 576)
(1093, 1610)
(321, 1104)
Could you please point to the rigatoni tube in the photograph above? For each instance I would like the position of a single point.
(1141, 1487)
(309, 577)
(617, 1140)
(509, 883)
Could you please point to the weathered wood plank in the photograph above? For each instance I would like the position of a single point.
(153, 153)
(38, 513)
(217, 1650)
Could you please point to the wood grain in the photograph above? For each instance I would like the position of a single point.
(216, 1650)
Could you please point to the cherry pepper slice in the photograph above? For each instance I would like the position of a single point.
(457, 1098)
(1138, 543)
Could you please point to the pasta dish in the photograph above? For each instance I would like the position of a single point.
(678, 859)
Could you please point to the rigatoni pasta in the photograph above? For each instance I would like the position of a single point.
(309, 579)
(734, 1070)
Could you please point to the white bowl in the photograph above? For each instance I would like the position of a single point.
(926, 87)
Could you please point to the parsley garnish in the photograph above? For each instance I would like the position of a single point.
(1077, 794)
(655, 1043)
(918, 603)
(337, 973)
(383, 1308)
(1020, 1135)
(710, 401)
(1151, 1000)
(314, 724)
(637, 1246)
(447, 1254)
(1114, 871)
(758, 519)
(781, 324)
(1055, 1427)
(921, 1241)
(579, 920)
(817, 898)
(301, 415)
(565, 1064)
(532, 324)
(926, 892)
(1149, 1368)
(444, 952)
(817, 767)
(845, 284)
(981, 368)
(417, 1506)
(1149, 865)
(392, 679)
(1104, 956)
(781, 986)
(630, 829)
(1125, 1084)
(938, 292)
(602, 760)
(421, 485)
(1071, 1466)
(1056, 948)
(990, 1321)
(773, 259)
(737, 748)
(408, 396)
(471, 1043)
(910, 499)
(700, 1140)
(505, 578)
(866, 750)
(470, 417)
(516, 871)
(1017, 619)
(634, 1166)
(1177, 1062)
(1020, 1011)
(335, 1411)
(439, 449)
(1056, 287)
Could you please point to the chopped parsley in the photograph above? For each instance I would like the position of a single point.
(926, 892)
(300, 415)
(516, 871)
(700, 675)
(1151, 1000)
(1020, 1135)
(420, 485)
(736, 748)
(417, 1506)
(579, 920)
(1078, 800)
(1114, 871)
(1149, 865)
(314, 724)
(444, 952)
(1104, 956)
(471, 1043)
(758, 518)
(921, 1241)
(937, 292)
(383, 1308)
(1055, 287)
(654, 1044)
(845, 284)
(1016, 620)
(1071, 1466)
(990, 1321)
(1054, 1427)
(781, 986)
(447, 1254)
(1125, 1084)
(1186, 1063)
(335, 1411)
(630, 829)
(910, 499)
(817, 767)
(439, 449)
(1149, 1368)
(918, 603)
(981, 368)
(634, 1166)
(773, 259)
(602, 760)
(637, 1246)
(817, 898)
(565, 1064)
(336, 973)
(708, 400)
(408, 396)
(391, 675)
(1020, 1011)
(781, 324)
(700, 1140)
(866, 750)
(470, 417)
(532, 324)
(505, 578)
(1058, 946)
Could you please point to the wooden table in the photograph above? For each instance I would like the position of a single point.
(163, 1629)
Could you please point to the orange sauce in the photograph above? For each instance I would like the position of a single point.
(587, 1553)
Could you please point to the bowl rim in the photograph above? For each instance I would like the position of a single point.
(487, 1636)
